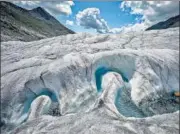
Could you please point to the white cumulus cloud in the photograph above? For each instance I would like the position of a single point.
(90, 18)
(68, 22)
(27, 3)
(65, 7)
(152, 11)
(53, 7)
(129, 28)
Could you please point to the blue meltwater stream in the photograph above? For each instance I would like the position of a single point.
(123, 101)
(125, 105)
(32, 97)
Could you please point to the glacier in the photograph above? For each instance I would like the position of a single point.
(89, 84)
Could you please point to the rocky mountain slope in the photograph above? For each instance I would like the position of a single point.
(28, 25)
(170, 23)
(89, 84)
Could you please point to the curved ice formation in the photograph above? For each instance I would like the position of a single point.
(103, 70)
(32, 95)
(73, 72)
(39, 107)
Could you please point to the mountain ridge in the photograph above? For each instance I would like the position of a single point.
(21, 24)
(169, 23)
(42, 13)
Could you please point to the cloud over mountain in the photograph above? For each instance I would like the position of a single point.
(152, 11)
(54, 7)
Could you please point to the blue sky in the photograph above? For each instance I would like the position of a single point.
(107, 17)
(109, 11)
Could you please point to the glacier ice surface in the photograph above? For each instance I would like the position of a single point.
(87, 84)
